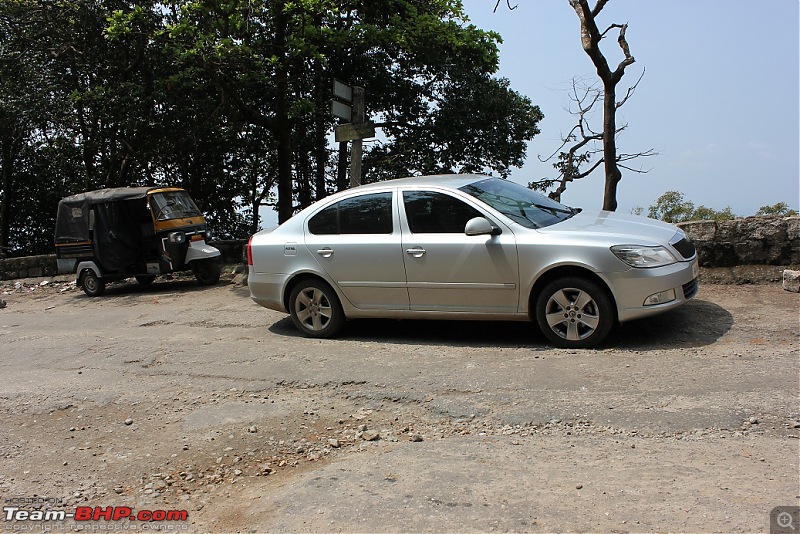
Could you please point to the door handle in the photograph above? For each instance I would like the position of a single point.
(417, 252)
(325, 252)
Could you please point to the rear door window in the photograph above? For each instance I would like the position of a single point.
(364, 214)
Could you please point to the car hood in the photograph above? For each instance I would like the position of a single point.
(615, 228)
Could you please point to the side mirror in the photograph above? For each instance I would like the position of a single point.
(481, 226)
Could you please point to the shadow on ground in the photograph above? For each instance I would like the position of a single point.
(698, 323)
(131, 288)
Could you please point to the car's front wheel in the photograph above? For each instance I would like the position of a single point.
(315, 309)
(574, 312)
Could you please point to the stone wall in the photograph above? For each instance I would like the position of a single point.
(28, 267)
(232, 251)
(748, 241)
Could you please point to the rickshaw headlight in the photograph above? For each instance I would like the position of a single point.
(208, 235)
(177, 237)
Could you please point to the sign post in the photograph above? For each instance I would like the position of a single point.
(356, 150)
(348, 104)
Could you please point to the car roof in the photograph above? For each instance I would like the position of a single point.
(446, 180)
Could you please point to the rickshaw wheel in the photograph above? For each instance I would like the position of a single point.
(207, 272)
(92, 285)
(145, 279)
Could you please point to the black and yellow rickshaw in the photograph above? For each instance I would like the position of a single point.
(142, 232)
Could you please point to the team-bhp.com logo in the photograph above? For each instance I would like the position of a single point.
(44, 510)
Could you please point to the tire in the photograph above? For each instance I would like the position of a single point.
(315, 309)
(145, 279)
(92, 285)
(206, 272)
(574, 312)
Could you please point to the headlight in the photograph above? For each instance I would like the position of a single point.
(177, 237)
(643, 257)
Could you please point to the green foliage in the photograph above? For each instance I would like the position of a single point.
(448, 139)
(229, 98)
(781, 209)
(672, 208)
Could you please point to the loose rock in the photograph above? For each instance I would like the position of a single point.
(791, 281)
(370, 435)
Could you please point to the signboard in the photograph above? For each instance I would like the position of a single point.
(341, 110)
(342, 91)
(352, 132)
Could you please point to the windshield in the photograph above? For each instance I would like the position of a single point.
(172, 205)
(518, 203)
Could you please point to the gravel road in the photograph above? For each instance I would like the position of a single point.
(182, 398)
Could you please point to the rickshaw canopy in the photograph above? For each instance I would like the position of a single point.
(72, 220)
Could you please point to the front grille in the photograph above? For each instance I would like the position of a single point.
(690, 289)
(685, 248)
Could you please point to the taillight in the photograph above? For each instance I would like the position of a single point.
(250, 251)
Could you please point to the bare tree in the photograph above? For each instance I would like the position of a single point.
(591, 36)
(590, 40)
(582, 143)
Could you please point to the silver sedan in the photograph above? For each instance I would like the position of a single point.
(469, 247)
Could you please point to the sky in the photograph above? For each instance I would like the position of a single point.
(719, 101)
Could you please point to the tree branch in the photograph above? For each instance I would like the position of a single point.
(249, 114)
(590, 171)
(629, 60)
(602, 35)
(631, 90)
(598, 7)
(508, 3)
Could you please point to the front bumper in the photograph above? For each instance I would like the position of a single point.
(632, 287)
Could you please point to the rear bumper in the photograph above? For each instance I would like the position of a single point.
(267, 290)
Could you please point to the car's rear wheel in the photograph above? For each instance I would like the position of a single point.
(574, 312)
(92, 285)
(315, 309)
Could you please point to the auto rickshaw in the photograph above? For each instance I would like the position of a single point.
(142, 232)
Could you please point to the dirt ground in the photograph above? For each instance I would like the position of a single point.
(180, 398)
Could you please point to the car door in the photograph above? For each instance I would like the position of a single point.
(356, 241)
(449, 271)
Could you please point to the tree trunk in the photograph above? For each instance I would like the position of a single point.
(322, 110)
(283, 130)
(613, 174)
(590, 40)
(341, 168)
(255, 200)
(5, 202)
(303, 174)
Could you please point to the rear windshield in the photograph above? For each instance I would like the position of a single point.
(172, 205)
(518, 203)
